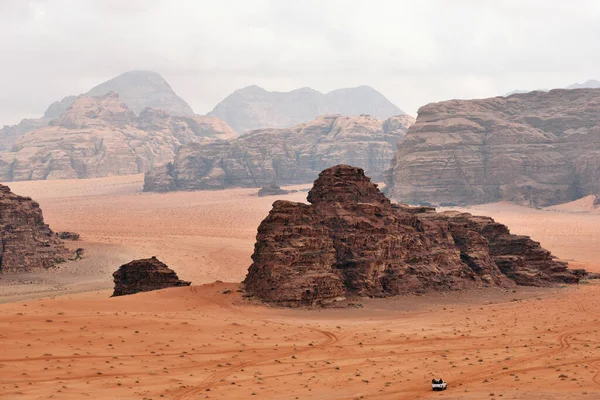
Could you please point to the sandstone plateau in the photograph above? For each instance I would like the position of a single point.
(285, 156)
(101, 136)
(28, 244)
(254, 107)
(536, 149)
(352, 241)
(137, 89)
(144, 276)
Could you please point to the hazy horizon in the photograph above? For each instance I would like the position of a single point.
(413, 53)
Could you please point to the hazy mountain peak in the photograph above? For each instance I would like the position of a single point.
(253, 107)
(590, 83)
(141, 89)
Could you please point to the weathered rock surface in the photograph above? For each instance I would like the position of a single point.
(27, 243)
(537, 149)
(143, 276)
(137, 89)
(254, 107)
(352, 241)
(285, 156)
(101, 136)
(271, 190)
(66, 235)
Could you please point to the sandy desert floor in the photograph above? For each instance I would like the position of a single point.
(197, 342)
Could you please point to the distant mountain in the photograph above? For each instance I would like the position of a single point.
(589, 84)
(141, 89)
(137, 89)
(101, 136)
(254, 107)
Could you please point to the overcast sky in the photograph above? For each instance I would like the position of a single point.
(414, 52)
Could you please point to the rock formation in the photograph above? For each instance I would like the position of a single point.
(285, 156)
(535, 148)
(271, 190)
(27, 243)
(144, 89)
(352, 241)
(137, 89)
(66, 235)
(143, 276)
(255, 108)
(101, 136)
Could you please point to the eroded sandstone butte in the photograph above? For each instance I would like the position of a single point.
(536, 149)
(101, 136)
(351, 241)
(285, 156)
(27, 243)
(143, 276)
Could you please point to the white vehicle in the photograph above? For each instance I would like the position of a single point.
(438, 384)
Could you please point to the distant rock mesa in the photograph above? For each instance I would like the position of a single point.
(253, 107)
(351, 241)
(101, 136)
(284, 156)
(143, 276)
(537, 149)
(28, 244)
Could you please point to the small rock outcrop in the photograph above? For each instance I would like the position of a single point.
(537, 149)
(271, 190)
(68, 235)
(27, 243)
(101, 136)
(143, 276)
(253, 107)
(351, 241)
(286, 156)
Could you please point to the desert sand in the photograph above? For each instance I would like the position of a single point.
(62, 337)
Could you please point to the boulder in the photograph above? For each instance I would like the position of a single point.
(286, 156)
(68, 235)
(537, 149)
(271, 190)
(143, 276)
(27, 243)
(351, 241)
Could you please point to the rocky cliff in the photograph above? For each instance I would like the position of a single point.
(144, 276)
(352, 241)
(101, 136)
(253, 107)
(137, 89)
(537, 149)
(285, 156)
(27, 243)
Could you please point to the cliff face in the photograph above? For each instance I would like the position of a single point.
(27, 243)
(538, 149)
(101, 136)
(352, 241)
(253, 107)
(285, 156)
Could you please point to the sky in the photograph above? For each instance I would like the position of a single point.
(414, 52)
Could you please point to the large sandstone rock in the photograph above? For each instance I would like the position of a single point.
(536, 149)
(144, 276)
(255, 108)
(27, 243)
(352, 241)
(285, 156)
(137, 89)
(101, 136)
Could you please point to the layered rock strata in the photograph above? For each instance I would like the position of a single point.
(537, 149)
(285, 156)
(352, 241)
